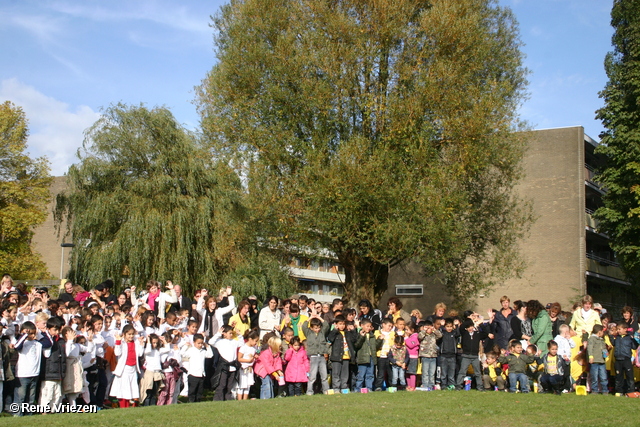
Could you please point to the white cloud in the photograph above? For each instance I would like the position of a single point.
(45, 28)
(55, 130)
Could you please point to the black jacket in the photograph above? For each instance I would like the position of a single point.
(449, 342)
(54, 367)
(337, 345)
(471, 343)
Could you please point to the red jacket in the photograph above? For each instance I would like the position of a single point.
(267, 363)
(297, 366)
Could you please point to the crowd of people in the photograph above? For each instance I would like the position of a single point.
(153, 346)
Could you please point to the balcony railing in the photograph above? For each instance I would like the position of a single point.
(603, 261)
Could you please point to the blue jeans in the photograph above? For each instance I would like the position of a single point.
(397, 373)
(266, 389)
(429, 371)
(25, 392)
(513, 382)
(365, 375)
(599, 376)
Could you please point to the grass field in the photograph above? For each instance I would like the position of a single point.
(443, 408)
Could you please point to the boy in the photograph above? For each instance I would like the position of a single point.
(492, 374)
(517, 367)
(28, 366)
(387, 336)
(342, 352)
(367, 347)
(564, 341)
(54, 365)
(448, 350)
(597, 351)
(197, 353)
(623, 344)
(471, 338)
(428, 337)
(398, 359)
(316, 332)
(556, 370)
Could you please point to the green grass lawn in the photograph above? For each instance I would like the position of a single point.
(443, 408)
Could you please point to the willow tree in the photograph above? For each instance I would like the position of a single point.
(145, 200)
(380, 130)
(24, 195)
(620, 215)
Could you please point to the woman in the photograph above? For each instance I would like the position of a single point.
(629, 318)
(521, 325)
(212, 316)
(541, 324)
(395, 310)
(367, 312)
(501, 324)
(155, 299)
(270, 317)
(557, 319)
(241, 322)
(585, 318)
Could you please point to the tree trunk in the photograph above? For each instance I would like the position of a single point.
(365, 278)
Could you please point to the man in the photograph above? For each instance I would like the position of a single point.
(303, 304)
(107, 297)
(67, 295)
(183, 301)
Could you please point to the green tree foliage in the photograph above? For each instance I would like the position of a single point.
(146, 196)
(24, 194)
(620, 216)
(380, 130)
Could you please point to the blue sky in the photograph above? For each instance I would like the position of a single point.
(64, 60)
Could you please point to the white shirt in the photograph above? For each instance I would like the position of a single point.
(29, 356)
(228, 349)
(196, 359)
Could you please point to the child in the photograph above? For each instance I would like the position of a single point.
(171, 367)
(54, 366)
(387, 335)
(225, 374)
(316, 343)
(398, 358)
(597, 351)
(428, 353)
(448, 351)
(153, 378)
(342, 352)
(297, 371)
(246, 357)
(471, 338)
(366, 347)
(623, 344)
(492, 374)
(517, 367)
(73, 380)
(269, 367)
(127, 350)
(28, 366)
(564, 341)
(556, 369)
(197, 353)
(412, 342)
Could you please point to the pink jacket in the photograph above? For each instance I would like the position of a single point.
(413, 345)
(297, 366)
(267, 363)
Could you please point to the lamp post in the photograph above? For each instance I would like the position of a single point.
(62, 246)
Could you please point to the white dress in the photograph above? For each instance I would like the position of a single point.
(246, 378)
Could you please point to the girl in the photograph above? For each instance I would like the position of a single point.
(127, 350)
(297, 371)
(171, 367)
(73, 380)
(148, 324)
(246, 357)
(269, 367)
(225, 373)
(413, 348)
(153, 378)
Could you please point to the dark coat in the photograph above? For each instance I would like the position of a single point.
(366, 352)
(54, 367)
(337, 345)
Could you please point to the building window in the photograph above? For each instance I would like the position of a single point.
(409, 290)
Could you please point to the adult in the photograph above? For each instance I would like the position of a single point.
(501, 324)
(303, 302)
(438, 311)
(6, 285)
(629, 318)
(521, 324)
(557, 319)
(105, 294)
(295, 320)
(541, 324)
(67, 295)
(212, 315)
(253, 311)
(367, 312)
(585, 318)
(270, 317)
(155, 298)
(241, 322)
(395, 310)
(182, 301)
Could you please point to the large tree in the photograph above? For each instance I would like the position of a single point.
(381, 130)
(24, 195)
(620, 142)
(146, 199)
